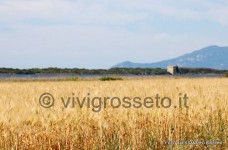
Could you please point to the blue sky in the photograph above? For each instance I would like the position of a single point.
(101, 33)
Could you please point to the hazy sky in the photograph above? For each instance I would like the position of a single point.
(101, 33)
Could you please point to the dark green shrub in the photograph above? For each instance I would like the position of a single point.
(226, 74)
(110, 78)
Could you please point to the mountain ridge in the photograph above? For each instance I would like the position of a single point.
(213, 56)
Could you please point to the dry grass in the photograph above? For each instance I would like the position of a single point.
(26, 125)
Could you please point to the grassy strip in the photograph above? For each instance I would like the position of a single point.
(39, 79)
(107, 78)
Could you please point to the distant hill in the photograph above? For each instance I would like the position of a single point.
(210, 57)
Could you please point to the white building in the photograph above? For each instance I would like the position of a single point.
(173, 69)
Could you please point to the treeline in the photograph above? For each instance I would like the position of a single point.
(120, 71)
(201, 71)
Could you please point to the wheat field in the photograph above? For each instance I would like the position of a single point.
(25, 124)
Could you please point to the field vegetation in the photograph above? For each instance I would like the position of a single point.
(25, 124)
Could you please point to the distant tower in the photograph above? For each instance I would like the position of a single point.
(173, 69)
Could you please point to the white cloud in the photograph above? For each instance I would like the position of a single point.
(112, 11)
(65, 11)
